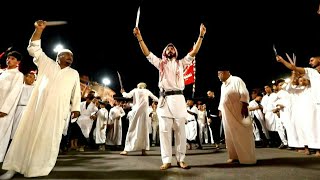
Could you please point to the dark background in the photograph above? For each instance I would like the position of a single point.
(239, 33)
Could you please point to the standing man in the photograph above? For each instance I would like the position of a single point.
(11, 83)
(172, 109)
(234, 107)
(138, 132)
(35, 146)
(314, 76)
(216, 126)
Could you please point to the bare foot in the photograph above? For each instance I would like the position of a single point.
(165, 166)
(232, 161)
(183, 165)
(307, 152)
(8, 175)
(124, 153)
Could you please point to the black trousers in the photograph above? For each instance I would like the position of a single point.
(215, 126)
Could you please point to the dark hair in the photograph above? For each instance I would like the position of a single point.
(278, 81)
(15, 54)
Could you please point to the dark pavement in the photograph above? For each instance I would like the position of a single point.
(273, 164)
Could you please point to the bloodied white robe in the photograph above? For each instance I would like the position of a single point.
(138, 132)
(11, 82)
(35, 146)
(171, 110)
(239, 138)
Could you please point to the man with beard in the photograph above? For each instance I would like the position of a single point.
(216, 127)
(171, 109)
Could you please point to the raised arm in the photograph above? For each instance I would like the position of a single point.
(197, 46)
(289, 65)
(143, 46)
(39, 27)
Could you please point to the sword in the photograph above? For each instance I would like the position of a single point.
(275, 50)
(120, 81)
(138, 16)
(56, 23)
(290, 60)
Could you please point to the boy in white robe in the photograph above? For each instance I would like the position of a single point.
(28, 86)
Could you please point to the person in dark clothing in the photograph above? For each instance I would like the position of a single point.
(212, 104)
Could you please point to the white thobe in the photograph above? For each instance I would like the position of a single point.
(314, 135)
(114, 136)
(84, 121)
(268, 106)
(35, 146)
(239, 137)
(302, 114)
(172, 109)
(138, 131)
(11, 83)
(284, 99)
(260, 116)
(101, 126)
(24, 98)
(191, 124)
(203, 127)
(155, 124)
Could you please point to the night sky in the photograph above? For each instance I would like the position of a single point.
(239, 33)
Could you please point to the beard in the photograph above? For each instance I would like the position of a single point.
(170, 55)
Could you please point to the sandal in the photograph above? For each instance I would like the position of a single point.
(165, 166)
(183, 165)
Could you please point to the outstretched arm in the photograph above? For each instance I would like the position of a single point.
(197, 46)
(143, 46)
(39, 27)
(289, 65)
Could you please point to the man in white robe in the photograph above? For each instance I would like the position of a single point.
(313, 75)
(269, 116)
(85, 121)
(155, 123)
(114, 134)
(191, 124)
(35, 146)
(101, 126)
(11, 83)
(255, 111)
(171, 108)
(138, 132)
(233, 106)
